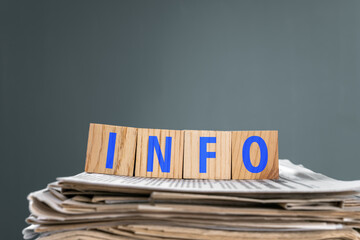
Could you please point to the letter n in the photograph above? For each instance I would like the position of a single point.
(163, 162)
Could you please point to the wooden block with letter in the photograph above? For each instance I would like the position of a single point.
(255, 155)
(111, 150)
(159, 153)
(207, 154)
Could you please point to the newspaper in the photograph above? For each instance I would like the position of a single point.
(293, 179)
(302, 204)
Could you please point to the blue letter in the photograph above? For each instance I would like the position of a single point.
(111, 148)
(263, 154)
(203, 152)
(154, 143)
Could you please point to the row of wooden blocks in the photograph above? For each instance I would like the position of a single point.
(187, 154)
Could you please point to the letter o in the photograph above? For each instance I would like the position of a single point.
(263, 154)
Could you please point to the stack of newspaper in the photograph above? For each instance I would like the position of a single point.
(302, 204)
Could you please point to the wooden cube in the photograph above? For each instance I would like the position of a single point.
(258, 159)
(111, 150)
(207, 154)
(159, 153)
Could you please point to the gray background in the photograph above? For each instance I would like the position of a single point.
(222, 65)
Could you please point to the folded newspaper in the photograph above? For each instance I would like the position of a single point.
(302, 204)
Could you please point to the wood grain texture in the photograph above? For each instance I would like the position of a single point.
(124, 153)
(217, 168)
(271, 170)
(177, 153)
